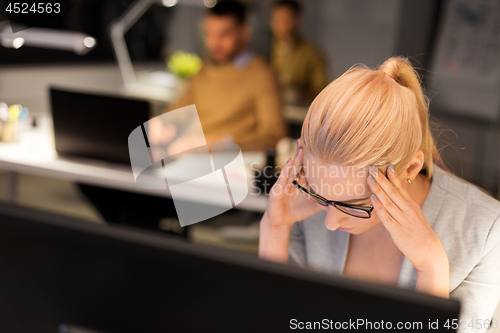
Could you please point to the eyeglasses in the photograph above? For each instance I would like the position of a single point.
(352, 210)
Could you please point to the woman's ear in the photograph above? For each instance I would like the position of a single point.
(416, 164)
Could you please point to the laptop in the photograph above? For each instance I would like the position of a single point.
(95, 126)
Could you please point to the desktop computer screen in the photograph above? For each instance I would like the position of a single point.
(59, 274)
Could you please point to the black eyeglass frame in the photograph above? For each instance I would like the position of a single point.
(332, 203)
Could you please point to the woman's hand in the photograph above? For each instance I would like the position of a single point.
(410, 230)
(286, 204)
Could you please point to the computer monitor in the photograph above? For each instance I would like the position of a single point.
(93, 126)
(59, 274)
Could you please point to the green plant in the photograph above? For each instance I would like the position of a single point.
(183, 64)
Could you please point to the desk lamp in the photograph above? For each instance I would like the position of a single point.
(77, 42)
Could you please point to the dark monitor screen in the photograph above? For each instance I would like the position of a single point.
(95, 126)
(57, 273)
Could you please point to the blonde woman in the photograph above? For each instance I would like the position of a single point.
(368, 197)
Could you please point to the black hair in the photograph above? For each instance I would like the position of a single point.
(229, 8)
(293, 5)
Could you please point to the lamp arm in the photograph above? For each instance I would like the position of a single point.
(77, 42)
(117, 33)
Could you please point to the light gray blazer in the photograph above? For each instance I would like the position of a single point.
(466, 220)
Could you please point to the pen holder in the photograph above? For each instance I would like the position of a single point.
(10, 131)
(10, 117)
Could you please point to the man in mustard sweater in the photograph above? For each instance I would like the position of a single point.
(237, 99)
(235, 92)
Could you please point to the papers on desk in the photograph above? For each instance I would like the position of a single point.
(184, 168)
(188, 166)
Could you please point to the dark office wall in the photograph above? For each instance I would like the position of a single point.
(417, 31)
(353, 31)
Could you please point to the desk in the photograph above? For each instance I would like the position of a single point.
(35, 154)
(28, 85)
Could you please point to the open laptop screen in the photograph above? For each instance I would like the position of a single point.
(95, 126)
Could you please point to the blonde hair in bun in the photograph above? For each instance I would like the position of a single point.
(372, 117)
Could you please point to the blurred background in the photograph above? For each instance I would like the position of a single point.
(455, 45)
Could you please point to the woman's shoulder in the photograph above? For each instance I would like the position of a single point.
(458, 191)
(458, 207)
(466, 220)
